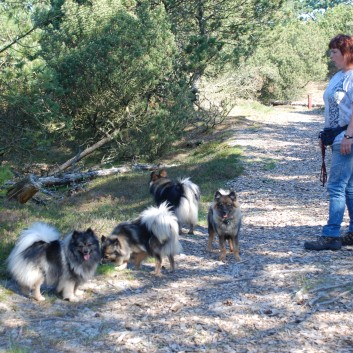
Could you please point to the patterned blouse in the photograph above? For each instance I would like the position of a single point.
(338, 99)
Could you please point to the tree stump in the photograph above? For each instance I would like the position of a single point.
(24, 189)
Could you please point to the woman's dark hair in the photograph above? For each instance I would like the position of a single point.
(344, 43)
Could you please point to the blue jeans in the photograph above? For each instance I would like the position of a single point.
(340, 189)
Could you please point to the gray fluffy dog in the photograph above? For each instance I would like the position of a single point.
(40, 257)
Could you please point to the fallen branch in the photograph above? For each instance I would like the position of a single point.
(26, 188)
(85, 153)
(71, 178)
(300, 104)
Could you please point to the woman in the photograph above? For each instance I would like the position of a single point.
(338, 99)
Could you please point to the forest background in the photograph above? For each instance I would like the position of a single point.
(127, 76)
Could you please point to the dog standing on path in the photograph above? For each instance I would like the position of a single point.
(224, 219)
(183, 196)
(39, 257)
(154, 233)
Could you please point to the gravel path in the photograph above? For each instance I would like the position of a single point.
(280, 298)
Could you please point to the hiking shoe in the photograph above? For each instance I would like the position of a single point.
(324, 243)
(347, 239)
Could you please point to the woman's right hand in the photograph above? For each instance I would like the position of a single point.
(346, 146)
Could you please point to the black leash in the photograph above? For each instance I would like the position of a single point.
(323, 174)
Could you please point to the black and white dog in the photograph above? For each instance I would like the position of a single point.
(182, 195)
(39, 257)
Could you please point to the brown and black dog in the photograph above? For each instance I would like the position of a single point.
(224, 219)
(154, 233)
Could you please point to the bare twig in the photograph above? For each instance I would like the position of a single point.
(319, 289)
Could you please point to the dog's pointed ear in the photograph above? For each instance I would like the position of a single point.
(75, 234)
(90, 231)
(154, 176)
(233, 195)
(217, 195)
(103, 238)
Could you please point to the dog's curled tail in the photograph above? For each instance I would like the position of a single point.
(162, 222)
(191, 190)
(38, 231)
(25, 272)
(188, 210)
